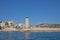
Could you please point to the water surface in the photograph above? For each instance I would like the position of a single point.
(31, 36)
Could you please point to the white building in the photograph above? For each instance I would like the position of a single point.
(2, 24)
(21, 25)
(26, 22)
(11, 23)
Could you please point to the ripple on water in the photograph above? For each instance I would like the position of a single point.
(31, 36)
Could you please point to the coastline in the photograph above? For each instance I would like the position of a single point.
(34, 30)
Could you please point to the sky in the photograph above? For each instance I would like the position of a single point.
(38, 11)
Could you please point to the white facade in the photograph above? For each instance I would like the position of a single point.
(10, 23)
(27, 22)
(2, 24)
(21, 25)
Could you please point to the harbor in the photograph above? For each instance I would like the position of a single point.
(11, 26)
(29, 19)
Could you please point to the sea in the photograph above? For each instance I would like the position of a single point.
(30, 36)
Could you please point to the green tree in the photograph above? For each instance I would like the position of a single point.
(0, 21)
(6, 23)
(0, 27)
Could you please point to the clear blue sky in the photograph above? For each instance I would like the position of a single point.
(39, 11)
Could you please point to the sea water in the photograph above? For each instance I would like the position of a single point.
(31, 36)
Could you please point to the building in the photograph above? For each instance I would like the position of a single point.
(2, 24)
(49, 25)
(11, 23)
(44, 25)
(54, 25)
(21, 25)
(27, 22)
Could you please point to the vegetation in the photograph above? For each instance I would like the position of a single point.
(0, 27)
(6, 23)
(0, 21)
(8, 26)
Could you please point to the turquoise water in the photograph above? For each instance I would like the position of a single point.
(31, 36)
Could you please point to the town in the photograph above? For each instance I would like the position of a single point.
(12, 26)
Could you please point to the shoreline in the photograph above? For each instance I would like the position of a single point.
(30, 32)
(34, 30)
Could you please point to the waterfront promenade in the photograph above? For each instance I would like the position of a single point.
(32, 30)
(41, 30)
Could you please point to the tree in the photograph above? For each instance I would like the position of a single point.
(6, 23)
(0, 27)
(0, 21)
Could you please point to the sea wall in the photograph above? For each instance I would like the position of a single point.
(45, 29)
(34, 30)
